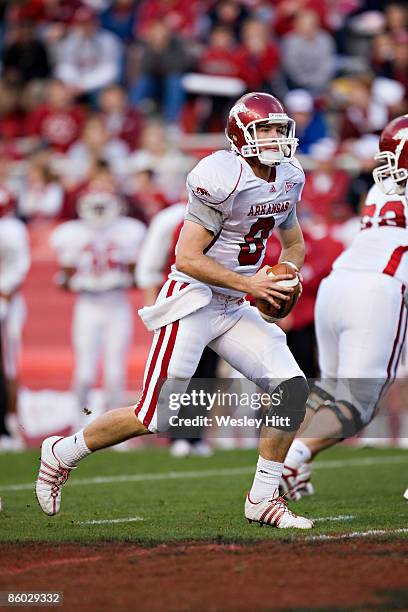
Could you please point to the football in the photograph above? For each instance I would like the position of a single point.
(269, 312)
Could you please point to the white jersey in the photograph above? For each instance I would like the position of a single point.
(240, 209)
(100, 256)
(14, 254)
(382, 243)
(157, 244)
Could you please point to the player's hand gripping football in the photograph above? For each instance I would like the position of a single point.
(265, 287)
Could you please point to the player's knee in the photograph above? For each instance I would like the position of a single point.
(348, 417)
(318, 397)
(288, 404)
(182, 371)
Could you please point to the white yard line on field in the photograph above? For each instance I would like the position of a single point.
(357, 534)
(340, 517)
(130, 519)
(318, 465)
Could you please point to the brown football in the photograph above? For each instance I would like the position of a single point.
(269, 312)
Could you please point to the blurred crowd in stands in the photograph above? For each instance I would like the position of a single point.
(124, 96)
(129, 93)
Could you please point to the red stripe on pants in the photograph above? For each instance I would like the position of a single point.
(154, 358)
(163, 374)
(397, 336)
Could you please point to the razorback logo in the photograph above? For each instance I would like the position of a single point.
(202, 191)
(289, 186)
(402, 133)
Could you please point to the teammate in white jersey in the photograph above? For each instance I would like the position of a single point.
(14, 265)
(236, 198)
(97, 254)
(361, 319)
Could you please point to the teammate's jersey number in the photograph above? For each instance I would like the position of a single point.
(391, 214)
(251, 250)
(100, 260)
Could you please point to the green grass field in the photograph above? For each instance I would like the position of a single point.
(197, 499)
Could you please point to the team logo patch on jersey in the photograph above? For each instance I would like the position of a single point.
(289, 186)
(202, 191)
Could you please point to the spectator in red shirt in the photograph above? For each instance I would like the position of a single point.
(58, 122)
(258, 56)
(121, 120)
(181, 16)
(11, 116)
(219, 59)
(321, 251)
(145, 198)
(287, 10)
(368, 105)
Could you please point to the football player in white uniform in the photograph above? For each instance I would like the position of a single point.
(97, 254)
(361, 319)
(236, 198)
(14, 265)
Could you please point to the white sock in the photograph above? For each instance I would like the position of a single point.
(12, 424)
(266, 480)
(72, 449)
(298, 453)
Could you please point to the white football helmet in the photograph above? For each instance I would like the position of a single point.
(99, 208)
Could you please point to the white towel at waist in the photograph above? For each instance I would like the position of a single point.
(188, 300)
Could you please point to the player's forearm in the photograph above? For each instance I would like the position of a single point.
(295, 254)
(209, 271)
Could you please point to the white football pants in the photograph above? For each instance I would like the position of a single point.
(233, 329)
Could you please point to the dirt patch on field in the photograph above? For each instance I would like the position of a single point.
(345, 575)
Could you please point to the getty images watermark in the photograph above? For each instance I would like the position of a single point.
(221, 400)
(238, 408)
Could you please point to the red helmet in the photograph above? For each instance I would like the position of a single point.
(7, 201)
(247, 113)
(391, 176)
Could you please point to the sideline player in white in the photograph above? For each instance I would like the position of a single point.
(97, 254)
(151, 270)
(361, 320)
(14, 265)
(236, 198)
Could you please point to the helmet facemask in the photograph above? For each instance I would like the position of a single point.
(389, 177)
(99, 210)
(269, 151)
